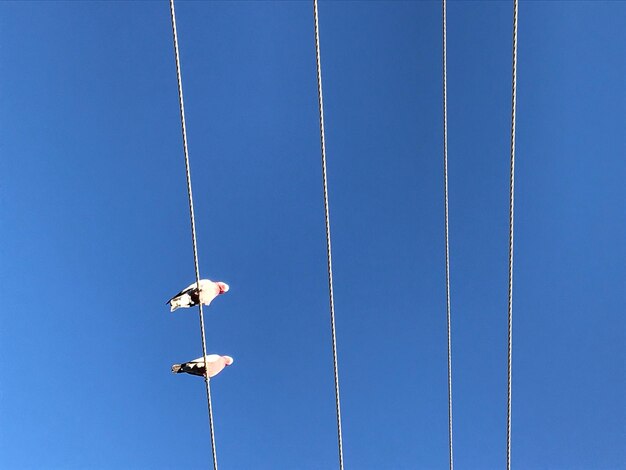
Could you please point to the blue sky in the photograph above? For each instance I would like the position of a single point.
(95, 234)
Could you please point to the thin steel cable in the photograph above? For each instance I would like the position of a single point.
(328, 245)
(445, 186)
(511, 219)
(193, 227)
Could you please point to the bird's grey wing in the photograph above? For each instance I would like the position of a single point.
(184, 291)
(195, 368)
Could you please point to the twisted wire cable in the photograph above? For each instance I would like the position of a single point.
(193, 228)
(445, 185)
(328, 245)
(511, 220)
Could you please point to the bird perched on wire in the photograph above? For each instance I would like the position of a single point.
(215, 365)
(191, 295)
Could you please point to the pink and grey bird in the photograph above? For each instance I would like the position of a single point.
(191, 295)
(215, 365)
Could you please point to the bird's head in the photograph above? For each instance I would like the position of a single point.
(228, 360)
(223, 287)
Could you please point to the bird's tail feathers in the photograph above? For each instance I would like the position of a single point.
(176, 368)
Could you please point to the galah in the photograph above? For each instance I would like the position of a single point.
(215, 364)
(191, 295)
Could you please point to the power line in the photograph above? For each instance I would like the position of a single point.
(511, 219)
(193, 228)
(328, 246)
(445, 185)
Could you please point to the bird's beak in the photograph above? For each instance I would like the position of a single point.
(223, 288)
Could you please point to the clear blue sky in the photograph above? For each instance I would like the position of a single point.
(95, 234)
